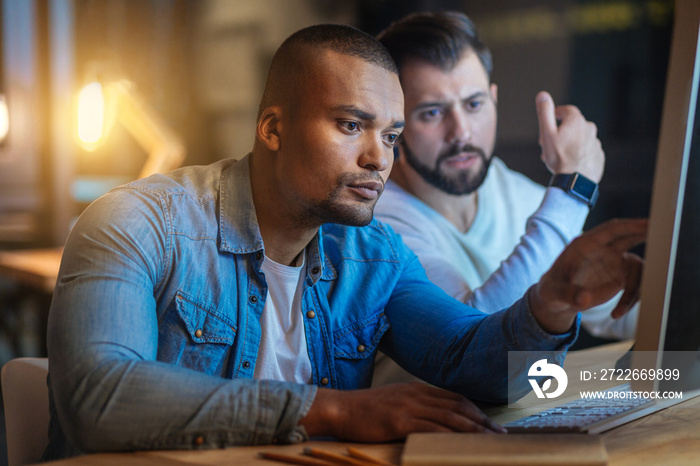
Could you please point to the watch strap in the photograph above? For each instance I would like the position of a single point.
(577, 186)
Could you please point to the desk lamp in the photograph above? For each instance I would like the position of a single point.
(100, 105)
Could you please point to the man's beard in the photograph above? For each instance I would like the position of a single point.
(458, 183)
(333, 210)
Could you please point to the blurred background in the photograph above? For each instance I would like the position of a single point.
(181, 81)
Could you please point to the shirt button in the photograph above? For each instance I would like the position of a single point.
(315, 271)
(199, 441)
(258, 256)
(253, 299)
(311, 314)
(361, 348)
(198, 333)
(246, 365)
(324, 381)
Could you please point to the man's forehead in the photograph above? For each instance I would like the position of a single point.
(468, 55)
(345, 80)
(423, 80)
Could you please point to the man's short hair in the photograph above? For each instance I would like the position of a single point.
(439, 38)
(299, 51)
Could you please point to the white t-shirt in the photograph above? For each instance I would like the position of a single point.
(283, 354)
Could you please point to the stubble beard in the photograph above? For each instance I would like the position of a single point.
(458, 183)
(334, 210)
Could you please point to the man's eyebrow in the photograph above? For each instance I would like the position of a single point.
(440, 103)
(361, 114)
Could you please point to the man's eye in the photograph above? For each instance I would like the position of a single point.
(392, 138)
(431, 114)
(474, 104)
(351, 126)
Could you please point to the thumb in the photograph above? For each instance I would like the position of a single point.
(547, 120)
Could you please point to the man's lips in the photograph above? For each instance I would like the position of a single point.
(462, 160)
(369, 189)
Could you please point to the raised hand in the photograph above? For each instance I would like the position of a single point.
(590, 271)
(572, 145)
(392, 412)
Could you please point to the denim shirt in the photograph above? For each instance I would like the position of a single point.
(154, 327)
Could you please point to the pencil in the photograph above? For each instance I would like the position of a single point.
(335, 458)
(355, 453)
(292, 459)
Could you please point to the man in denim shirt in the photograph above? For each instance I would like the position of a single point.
(162, 332)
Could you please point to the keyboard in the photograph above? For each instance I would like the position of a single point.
(580, 415)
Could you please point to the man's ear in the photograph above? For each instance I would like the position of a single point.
(268, 129)
(494, 93)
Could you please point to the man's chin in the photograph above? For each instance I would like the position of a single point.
(353, 216)
(461, 182)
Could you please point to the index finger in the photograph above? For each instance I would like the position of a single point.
(620, 234)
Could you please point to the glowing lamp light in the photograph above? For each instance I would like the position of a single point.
(4, 118)
(101, 106)
(91, 115)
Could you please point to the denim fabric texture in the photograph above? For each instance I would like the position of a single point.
(155, 323)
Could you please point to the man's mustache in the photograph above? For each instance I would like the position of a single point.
(354, 179)
(456, 150)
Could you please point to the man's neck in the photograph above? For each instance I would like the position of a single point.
(282, 247)
(283, 235)
(458, 210)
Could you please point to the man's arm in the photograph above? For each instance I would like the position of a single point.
(569, 145)
(489, 269)
(590, 271)
(557, 221)
(110, 392)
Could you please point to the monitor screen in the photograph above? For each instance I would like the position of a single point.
(669, 317)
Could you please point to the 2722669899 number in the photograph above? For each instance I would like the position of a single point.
(638, 374)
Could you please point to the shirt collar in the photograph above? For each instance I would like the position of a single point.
(238, 222)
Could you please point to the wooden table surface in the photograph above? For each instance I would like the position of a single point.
(37, 268)
(668, 437)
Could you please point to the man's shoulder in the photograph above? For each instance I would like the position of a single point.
(501, 175)
(196, 181)
(404, 211)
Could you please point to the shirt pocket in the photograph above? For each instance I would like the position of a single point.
(354, 348)
(195, 335)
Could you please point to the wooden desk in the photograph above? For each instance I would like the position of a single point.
(36, 268)
(230, 456)
(668, 437)
(25, 310)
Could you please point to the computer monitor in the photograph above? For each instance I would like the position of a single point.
(669, 316)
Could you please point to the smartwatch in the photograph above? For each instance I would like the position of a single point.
(577, 186)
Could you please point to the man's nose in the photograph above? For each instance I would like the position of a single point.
(459, 126)
(375, 155)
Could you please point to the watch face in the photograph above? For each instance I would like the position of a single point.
(584, 187)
